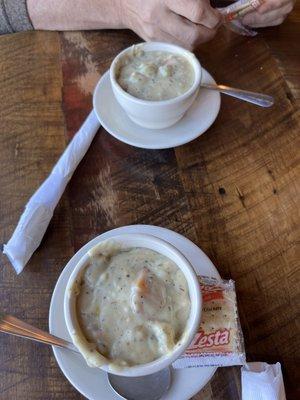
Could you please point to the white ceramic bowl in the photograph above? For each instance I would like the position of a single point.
(162, 247)
(156, 114)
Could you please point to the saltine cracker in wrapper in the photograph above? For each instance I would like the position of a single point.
(219, 340)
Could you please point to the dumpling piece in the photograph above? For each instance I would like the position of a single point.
(148, 293)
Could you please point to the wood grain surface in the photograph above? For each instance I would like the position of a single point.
(234, 191)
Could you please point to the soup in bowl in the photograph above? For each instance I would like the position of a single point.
(155, 83)
(132, 305)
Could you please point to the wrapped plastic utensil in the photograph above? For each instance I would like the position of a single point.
(39, 210)
(261, 380)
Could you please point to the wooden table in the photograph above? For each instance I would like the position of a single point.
(233, 191)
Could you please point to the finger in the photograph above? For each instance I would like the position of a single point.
(256, 20)
(260, 21)
(273, 5)
(275, 22)
(187, 32)
(195, 11)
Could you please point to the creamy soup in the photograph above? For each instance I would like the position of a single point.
(154, 75)
(132, 305)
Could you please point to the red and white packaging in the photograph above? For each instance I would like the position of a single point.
(233, 14)
(219, 341)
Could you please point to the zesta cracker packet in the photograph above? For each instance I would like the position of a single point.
(219, 340)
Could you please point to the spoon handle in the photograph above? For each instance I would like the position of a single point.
(260, 99)
(14, 326)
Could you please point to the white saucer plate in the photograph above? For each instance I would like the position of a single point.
(199, 117)
(92, 382)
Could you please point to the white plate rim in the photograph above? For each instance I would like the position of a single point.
(206, 77)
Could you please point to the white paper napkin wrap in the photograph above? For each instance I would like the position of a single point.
(262, 381)
(39, 210)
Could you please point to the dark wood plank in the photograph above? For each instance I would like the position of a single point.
(284, 46)
(241, 181)
(32, 138)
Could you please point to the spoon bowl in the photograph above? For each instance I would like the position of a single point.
(148, 387)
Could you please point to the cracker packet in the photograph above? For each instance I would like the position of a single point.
(233, 14)
(219, 340)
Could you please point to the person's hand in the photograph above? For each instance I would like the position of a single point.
(183, 22)
(270, 13)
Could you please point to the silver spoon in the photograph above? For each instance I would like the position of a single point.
(260, 99)
(14, 326)
(150, 387)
